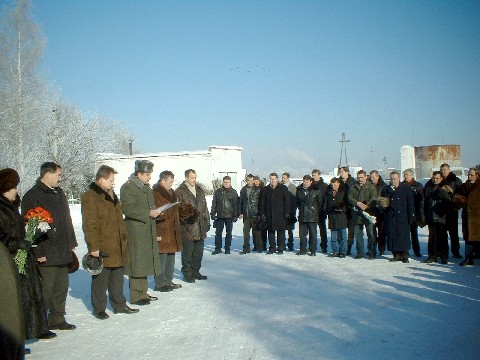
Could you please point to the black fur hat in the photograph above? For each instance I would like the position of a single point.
(9, 179)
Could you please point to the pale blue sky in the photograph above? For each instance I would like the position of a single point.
(283, 79)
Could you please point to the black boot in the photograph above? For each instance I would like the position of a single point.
(349, 250)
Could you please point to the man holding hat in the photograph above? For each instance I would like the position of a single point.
(138, 205)
(106, 237)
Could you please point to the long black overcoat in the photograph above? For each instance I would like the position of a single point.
(275, 205)
(398, 217)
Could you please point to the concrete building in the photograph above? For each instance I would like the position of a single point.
(425, 159)
(211, 164)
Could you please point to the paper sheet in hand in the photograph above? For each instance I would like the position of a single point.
(167, 206)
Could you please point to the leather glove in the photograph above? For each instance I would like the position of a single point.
(25, 245)
(213, 217)
(235, 219)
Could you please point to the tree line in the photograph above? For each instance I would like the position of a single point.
(36, 124)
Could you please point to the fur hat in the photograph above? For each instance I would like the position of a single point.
(383, 202)
(92, 264)
(74, 265)
(143, 166)
(188, 213)
(9, 179)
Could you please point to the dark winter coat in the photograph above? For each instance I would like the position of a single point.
(198, 230)
(468, 198)
(225, 203)
(137, 202)
(309, 202)
(365, 194)
(12, 231)
(12, 325)
(336, 208)
(249, 203)
(275, 206)
(350, 182)
(168, 224)
(322, 187)
(454, 182)
(104, 227)
(437, 201)
(374, 210)
(58, 242)
(398, 216)
(418, 199)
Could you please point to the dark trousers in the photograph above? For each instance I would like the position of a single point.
(228, 224)
(437, 241)
(379, 233)
(351, 231)
(167, 265)
(192, 256)
(280, 245)
(322, 226)
(249, 225)
(54, 291)
(470, 248)
(264, 237)
(414, 237)
(290, 229)
(110, 279)
(138, 288)
(452, 228)
(311, 230)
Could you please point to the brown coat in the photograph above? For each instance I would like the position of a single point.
(468, 198)
(168, 224)
(198, 229)
(104, 227)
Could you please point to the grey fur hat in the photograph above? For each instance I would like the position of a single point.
(143, 166)
(91, 264)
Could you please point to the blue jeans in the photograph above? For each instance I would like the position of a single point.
(228, 223)
(339, 237)
(360, 242)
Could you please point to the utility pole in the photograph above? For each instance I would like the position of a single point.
(130, 147)
(344, 142)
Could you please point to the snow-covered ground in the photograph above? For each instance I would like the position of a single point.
(284, 307)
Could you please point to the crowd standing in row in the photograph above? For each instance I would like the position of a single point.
(140, 233)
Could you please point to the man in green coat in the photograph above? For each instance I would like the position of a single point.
(136, 197)
(360, 197)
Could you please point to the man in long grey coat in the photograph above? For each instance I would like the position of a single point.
(136, 197)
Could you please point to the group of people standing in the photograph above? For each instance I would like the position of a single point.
(390, 214)
(139, 233)
(136, 234)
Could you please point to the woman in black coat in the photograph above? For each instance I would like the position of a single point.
(12, 235)
(336, 204)
(398, 216)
